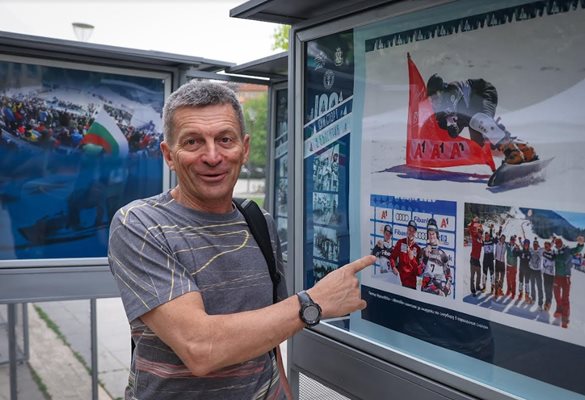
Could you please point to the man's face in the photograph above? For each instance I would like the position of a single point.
(432, 237)
(387, 235)
(442, 102)
(410, 231)
(207, 154)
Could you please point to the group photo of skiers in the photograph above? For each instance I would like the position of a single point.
(521, 261)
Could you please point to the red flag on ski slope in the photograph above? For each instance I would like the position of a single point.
(428, 145)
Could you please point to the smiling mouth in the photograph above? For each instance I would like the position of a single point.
(213, 177)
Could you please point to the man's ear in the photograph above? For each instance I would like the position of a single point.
(246, 141)
(166, 151)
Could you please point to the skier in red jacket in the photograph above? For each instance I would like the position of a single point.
(407, 252)
(476, 233)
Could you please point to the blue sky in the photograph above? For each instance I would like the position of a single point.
(576, 219)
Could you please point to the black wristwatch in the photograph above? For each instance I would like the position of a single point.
(310, 311)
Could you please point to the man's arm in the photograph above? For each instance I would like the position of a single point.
(206, 343)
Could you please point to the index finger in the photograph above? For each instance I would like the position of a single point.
(361, 263)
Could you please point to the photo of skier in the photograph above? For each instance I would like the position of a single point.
(475, 233)
(536, 288)
(548, 274)
(471, 104)
(538, 279)
(488, 267)
(524, 257)
(437, 277)
(512, 255)
(562, 284)
(500, 265)
(405, 257)
(383, 250)
(469, 113)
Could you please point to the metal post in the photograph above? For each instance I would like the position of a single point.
(94, 350)
(294, 381)
(12, 349)
(25, 331)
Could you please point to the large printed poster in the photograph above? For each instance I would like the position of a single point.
(472, 180)
(75, 145)
(281, 169)
(326, 155)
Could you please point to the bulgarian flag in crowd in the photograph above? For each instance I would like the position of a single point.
(105, 132)
(429, 146)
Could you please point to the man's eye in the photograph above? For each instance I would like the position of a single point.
(226, 140)
(190, 142)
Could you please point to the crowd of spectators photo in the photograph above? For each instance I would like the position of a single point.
(58, 124)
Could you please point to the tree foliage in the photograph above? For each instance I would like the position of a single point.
(280, 37)
(256, 120)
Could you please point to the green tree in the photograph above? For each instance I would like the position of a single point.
(280, 37)
(256, 120)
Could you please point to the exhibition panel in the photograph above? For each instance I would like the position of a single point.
(446, 141)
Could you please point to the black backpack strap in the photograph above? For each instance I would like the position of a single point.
(259, 228)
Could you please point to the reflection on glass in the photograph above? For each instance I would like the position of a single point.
(281, 168)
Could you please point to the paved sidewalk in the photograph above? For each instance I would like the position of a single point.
(52, 362)
(113, 335)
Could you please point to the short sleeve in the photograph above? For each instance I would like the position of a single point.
(143, 265)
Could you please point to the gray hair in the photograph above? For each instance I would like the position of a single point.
(199, 94)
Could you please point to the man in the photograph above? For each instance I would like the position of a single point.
(195, 285)
(548, 273)
(475, 232)
(489, 243)
(407, 252)
(512, 254)
(562, 284)
(437, 276)
(383, 250)
(536, 274)
(524, 275)
(472, 103)
(500, 258)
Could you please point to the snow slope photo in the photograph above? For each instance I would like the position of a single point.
(533, 225)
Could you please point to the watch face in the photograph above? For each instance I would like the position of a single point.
(311, 314)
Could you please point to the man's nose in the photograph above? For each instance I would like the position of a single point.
(212, 155)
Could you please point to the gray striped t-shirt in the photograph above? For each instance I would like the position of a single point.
(159, 250)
